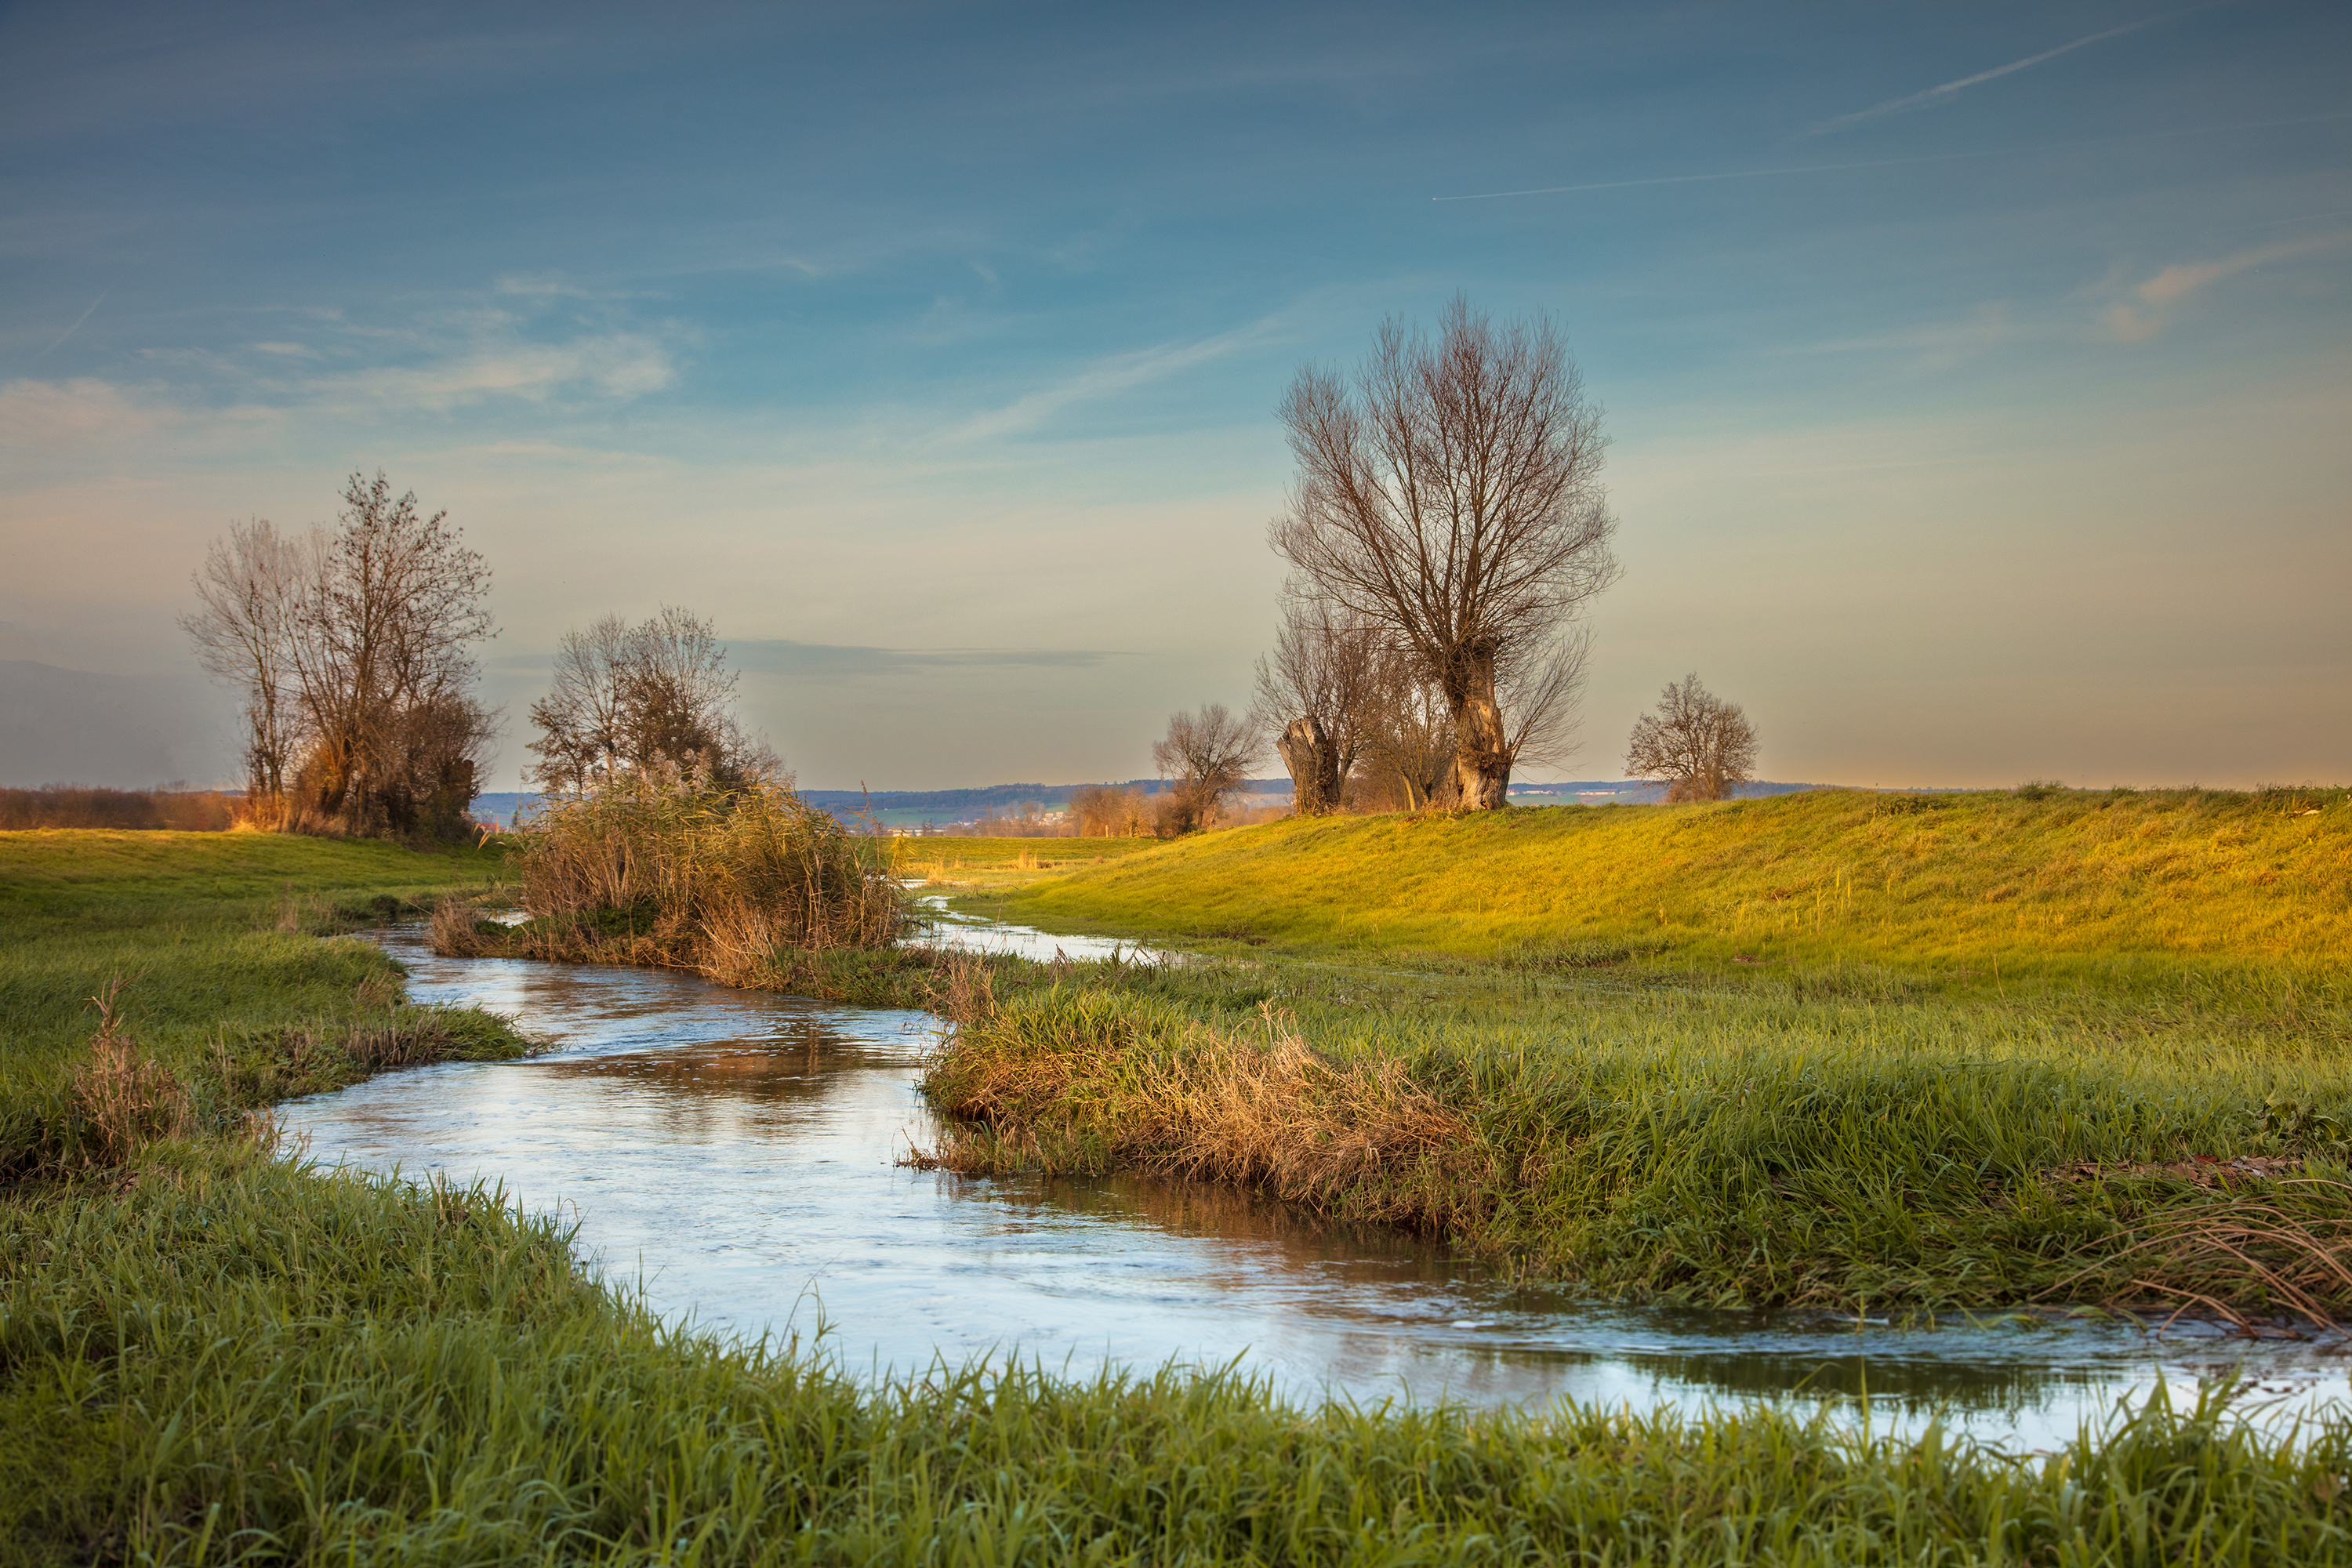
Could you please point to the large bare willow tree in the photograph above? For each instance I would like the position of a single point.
(1450, 493)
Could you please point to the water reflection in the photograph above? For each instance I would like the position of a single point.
(944, 927)
(735, 1152)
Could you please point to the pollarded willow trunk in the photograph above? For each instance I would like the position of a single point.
(1480, 776)
(1312, 757)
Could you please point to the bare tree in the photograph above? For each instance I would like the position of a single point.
(582, 730)
(1314, 696)
(1451, 494)
(1105, 811)
(1703, 745)
(1408, 736)
(628, 698)
(1205, 756)
(384, 632)
(355, 649)
(248, 594)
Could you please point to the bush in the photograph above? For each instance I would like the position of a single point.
(714, 876)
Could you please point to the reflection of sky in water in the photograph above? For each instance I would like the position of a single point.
(735, 1151)
(945, 927)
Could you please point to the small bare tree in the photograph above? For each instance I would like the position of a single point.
(248, 596)
(1314, 694)
(626, 698)
(1704, 746)
(582, 736)
(1451, 494)
(1105, 811)
(1205, 756)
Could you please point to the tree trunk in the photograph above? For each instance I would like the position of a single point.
(1312, 758)
(1480, 776)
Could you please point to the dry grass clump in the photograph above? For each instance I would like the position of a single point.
(1089, 1081)
(671, 867)
(124, 1099)
(2284, 1250)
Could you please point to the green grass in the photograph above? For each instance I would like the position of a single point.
(225, 980)
(1939, 882)
(221, 1359)
(1992, 1050)
(210, 1355)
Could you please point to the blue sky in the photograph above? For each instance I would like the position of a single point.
(1978, 375)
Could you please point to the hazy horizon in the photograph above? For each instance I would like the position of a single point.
(1978, 379)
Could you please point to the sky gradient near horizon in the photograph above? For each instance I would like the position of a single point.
(1979, 376)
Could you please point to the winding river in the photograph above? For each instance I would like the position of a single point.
(736, 1156)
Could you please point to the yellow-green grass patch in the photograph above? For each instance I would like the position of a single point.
(1811, 877)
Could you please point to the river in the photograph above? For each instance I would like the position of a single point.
(737, 1156)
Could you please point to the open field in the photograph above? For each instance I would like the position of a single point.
(1940, 881)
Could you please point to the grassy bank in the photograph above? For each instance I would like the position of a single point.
(218, 1359)
(222, 995)
(2079, 1049)
(1949, 881)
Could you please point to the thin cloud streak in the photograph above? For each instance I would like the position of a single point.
(85, 316)
(2132, 323)
(1951, 89)
(1114, 375)
(1895, 163)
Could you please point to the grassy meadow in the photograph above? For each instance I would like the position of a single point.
(209, 1354)
(1924, 1054)
(2058, 878)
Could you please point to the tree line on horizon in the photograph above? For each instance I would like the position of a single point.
(1446, 532)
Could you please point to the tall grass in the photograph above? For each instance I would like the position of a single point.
(1720, 1149)
(672, 869)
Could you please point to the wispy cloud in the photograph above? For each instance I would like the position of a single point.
(1780, 170)
(1951, 89)
(2149, 309)
(1101, 379)
(619, 364)
(85, 316)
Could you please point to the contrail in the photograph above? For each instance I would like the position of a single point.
(85, 316)
(1892, 163)
(1897, 105)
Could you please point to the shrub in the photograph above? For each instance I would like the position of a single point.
(710, 876)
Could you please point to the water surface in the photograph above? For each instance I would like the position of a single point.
(739, 1155)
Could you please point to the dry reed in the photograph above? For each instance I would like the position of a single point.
(123, 1099)
(1090, 1082)
(2286, 1249)
(672, 869)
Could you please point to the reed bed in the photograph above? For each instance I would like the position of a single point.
(672, 869)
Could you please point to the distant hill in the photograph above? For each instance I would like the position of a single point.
(1630, 791)
(909, 807)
